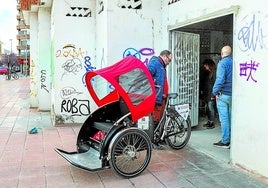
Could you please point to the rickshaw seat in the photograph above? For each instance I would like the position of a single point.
(104, 126)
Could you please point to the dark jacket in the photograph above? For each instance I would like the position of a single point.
(207, 80)
(223, 81)
(157, 69)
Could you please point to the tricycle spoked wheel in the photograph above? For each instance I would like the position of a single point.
(130, 152)
(179, 131)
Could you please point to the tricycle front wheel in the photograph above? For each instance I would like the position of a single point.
(130, 152)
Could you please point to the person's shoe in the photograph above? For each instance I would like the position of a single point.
(205, 125)
(222, 145)
(158, 147)
(210, 125)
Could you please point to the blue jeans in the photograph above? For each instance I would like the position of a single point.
(224, 106)
(211, 111)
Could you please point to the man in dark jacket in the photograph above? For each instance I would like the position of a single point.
(157, 67)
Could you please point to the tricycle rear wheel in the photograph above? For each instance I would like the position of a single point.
(130, 152)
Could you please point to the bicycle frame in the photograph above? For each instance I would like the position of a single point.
(181, 109)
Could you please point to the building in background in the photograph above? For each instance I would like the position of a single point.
(23, 38)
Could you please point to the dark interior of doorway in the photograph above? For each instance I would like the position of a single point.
(214, 34)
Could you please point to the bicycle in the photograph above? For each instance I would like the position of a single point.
(13, 75)
(174, 127)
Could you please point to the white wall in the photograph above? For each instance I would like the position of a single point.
(34, 81)
(133, 31)
(249, 126)
(101, 35)
(73, 54)
(44, 60)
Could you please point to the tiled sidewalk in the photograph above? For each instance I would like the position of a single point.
(29, 160)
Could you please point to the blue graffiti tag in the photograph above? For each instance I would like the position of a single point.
(88, 68)
(251, 36)
(143, 52)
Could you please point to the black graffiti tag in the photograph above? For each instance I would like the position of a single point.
(43, 80)
(76, 107)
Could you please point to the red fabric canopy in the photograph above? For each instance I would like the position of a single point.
(130, 80)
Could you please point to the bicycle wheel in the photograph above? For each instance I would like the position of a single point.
(178, 131)
(130, 152)
(15, 76)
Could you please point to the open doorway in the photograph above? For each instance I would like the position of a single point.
(213, 35)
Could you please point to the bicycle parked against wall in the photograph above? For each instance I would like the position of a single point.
(174, 127)
(119, 133)
(12, 73)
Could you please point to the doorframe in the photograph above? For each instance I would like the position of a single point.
(216, 14)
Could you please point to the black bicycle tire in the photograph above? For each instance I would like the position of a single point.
(117, 146)
(15, 76)
(173, 115)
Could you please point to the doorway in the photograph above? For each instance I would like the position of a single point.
(213, 35)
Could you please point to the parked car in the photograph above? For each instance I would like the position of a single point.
(3, 70)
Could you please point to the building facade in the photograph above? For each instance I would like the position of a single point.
(69, 38)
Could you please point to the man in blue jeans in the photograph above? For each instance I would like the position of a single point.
(222, 90)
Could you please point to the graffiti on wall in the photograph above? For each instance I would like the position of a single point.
(88, 67)
(130, 4)
(32, 80)
(74, 62)
(248, 68)
(251, 39)
(69, 92)
(43, 78)
(251, 36)
(77, 107)
(71, 66)
(100, 6)
(69, 50)
(144, 54)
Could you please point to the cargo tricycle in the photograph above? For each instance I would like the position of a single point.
(121, 132)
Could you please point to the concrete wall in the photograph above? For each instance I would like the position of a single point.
(73, 54)
(44, 87)
(249, 126)
(34, 81)
(132, 30)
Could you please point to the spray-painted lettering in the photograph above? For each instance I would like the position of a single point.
(251, 35)
(144, 54)
(76, 107)
(68, 92)
(246, 69)
(43, 80)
